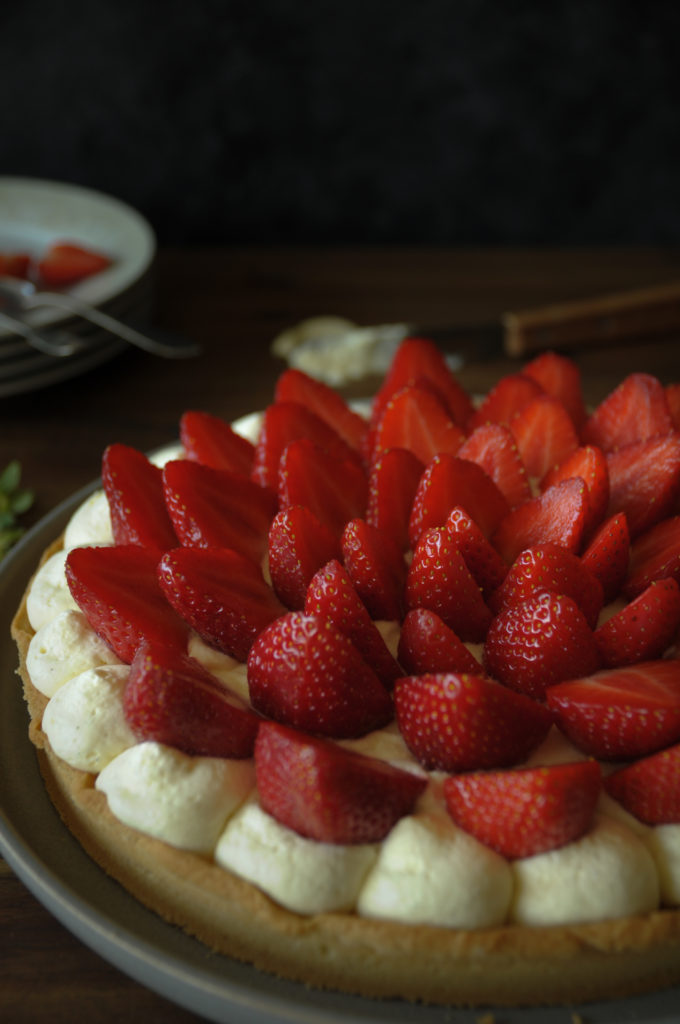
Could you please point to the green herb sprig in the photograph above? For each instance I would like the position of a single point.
(14, 501)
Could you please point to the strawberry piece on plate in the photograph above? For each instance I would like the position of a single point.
(541, 641)
(636, 410)
(295, 386)
(649, 788)
(66, 263)
(505, 400)
(327, 793)
(304, 672)
(438, 579)
(492, 446)
(298, 546)
(416, 419)
(644, 629)
(214, 442)
(334, 489)
(392, 486)
(134, 491)
(170, 698)
(526, 811)
(654, 556)
(221, 594)
(644, 481)
(481, 558)
(427, 644)
(457, 722)
(15, 264)
(620, 713)
(608, 554)
(544, 433)
(590, 464)
(100, 578)
(560, 377)
(376, 568)
(216, 508)
(557, 516)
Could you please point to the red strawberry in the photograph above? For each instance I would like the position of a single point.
(492, 446)
(672, 392)
(650, 788)
(655, 555)
(438, 579)
(541, 641)
(335, 490)
(544, 433)
(332, 595)
(213, 442)
(607, 555)
(457, 722)
(392, 486)
(304, 672)
(481, 558)
(561, 378)
(644, 629)
(634, 411)
(376, 568)
(644, 481)
(505, 400)
(426, 644)
(590, 464)
(170, 698)
(327, 793)
(100, 579)
(621, 713)
(134, 491)
(221, 593)
(298, 546)
(557, 516)
(550, 567)
(295, 386)
(450, 482)
(216, 508)
(526, 811)
(416, 419)
(65, 263)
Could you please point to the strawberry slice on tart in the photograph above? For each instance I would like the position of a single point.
(376, 568)
(134, 491)
(557, 516)
(607, 555)
(644, 481)
(481, 558)
(416, 419)
(644, 629)
(212, 441)
(334, 489)
(649, 788)
(560, 377)
(492, 446)
(590, 464)
(654, 555)
(299, 544)
(392, 486)
(427, 645)
(544, 433)
(294, 385)
(636, 410)
(508, 397)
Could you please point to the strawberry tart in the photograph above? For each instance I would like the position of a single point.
(387, 703)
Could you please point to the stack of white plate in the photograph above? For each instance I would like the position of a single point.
(33, 214)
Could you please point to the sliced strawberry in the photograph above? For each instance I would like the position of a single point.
(304, 672)
(65, 263)
(590, 464)
(650, 788)
(327, 793)
(299, 545)
(481, 558)
(216, 508)
(621, 713)
(427, 644)
(655, 555)
(416, 419)
(541, 641)
(134, 491)
(15, 264)
(673, 401)
(295, 386)
(560, 377)
(213, 442)
(550, 567)
(438, 579)
(644, 481)
(170, 698)
(456, 722)
(526, 811)
(492, 446)
(392, 486)
(505, 400)
(221, 594)
(332, 595)
(376, 568)
(544, 433)
(607, 555)
(644, 629)
(450, 482)
(334, 489)
(557, 517)
(100, 579)
(634, 411)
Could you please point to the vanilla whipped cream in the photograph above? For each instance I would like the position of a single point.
(62, 648)
(232, 673)
(663, 842)
(49, 594)
(90, 524)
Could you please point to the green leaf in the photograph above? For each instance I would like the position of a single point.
(14, 501)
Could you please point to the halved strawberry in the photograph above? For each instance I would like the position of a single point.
(673, 400)
(376, 568)
(526, 811)
(221, 594)
(334, 489)
(541, 641)
(456, 722)
(655, 555)
(650, 788)
(621, 713)
(481, 558)
(644, 629)
(636, 410)
(295, 386)
(303, 671)
(134, 491)
(217, 508)
(298, 546)
(560, 377)
(392, 486)
(450, 482)
(65, 263)
(327, 793)
(170, 698)
(505, 400)
(544, 433)
(644, 481)
(416, 419)
(427, 644)
(607, 555)
(492, 446)
(557, 516)
(331, 594)
(213, 442)
(590, 464)
(100, 579)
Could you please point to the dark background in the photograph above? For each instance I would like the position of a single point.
(467, 122)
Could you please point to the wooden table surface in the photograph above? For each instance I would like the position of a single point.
(233, 301)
